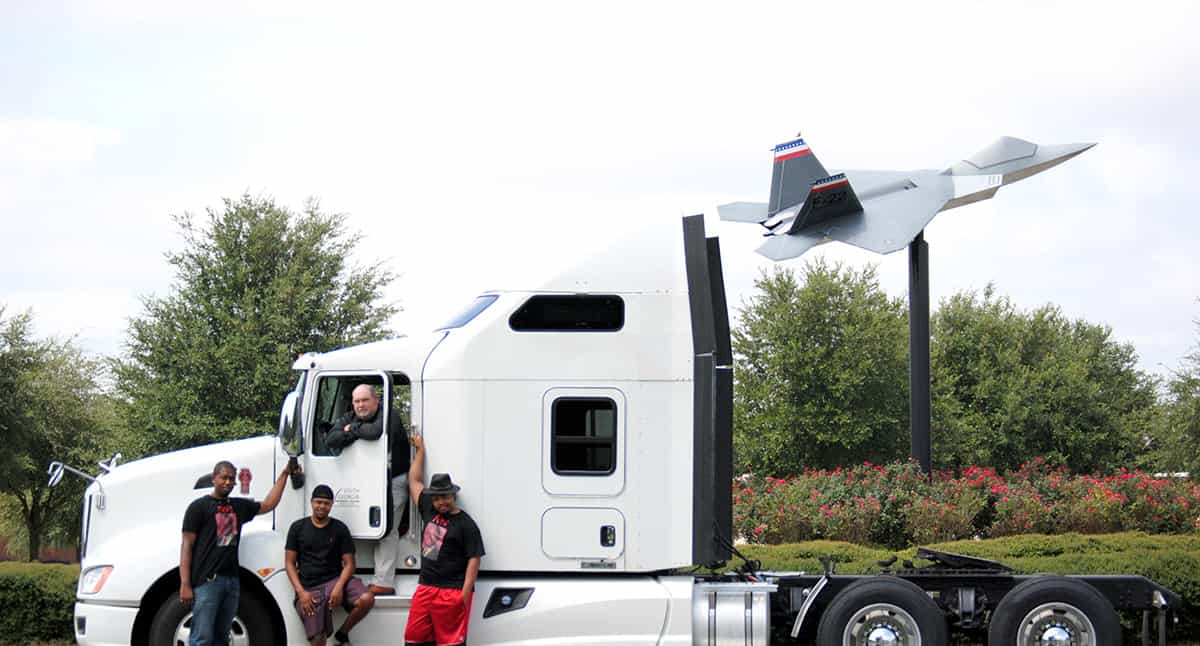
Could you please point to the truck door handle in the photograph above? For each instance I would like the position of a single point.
(608, 536)
(374, 515)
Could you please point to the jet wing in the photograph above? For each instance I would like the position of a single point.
(898, 206)
(743, 212)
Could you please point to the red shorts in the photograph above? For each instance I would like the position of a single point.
(437, 616)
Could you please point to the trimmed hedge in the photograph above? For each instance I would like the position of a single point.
(37, 602)
(1171, 560)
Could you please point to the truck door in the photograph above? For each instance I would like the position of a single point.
(358, 474)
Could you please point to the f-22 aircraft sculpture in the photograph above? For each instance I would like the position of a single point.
(884, 211)
(881, 211)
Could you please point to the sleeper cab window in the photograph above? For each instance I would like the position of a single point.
(584, 440)
(570, 313)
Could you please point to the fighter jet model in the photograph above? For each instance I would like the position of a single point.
(882, 211)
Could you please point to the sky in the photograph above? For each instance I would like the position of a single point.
(481, 145)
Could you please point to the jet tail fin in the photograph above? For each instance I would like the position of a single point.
(794, 170)
(829, 198)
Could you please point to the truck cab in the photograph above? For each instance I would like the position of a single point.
(569, 414)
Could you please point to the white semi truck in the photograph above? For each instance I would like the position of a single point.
(589, 424)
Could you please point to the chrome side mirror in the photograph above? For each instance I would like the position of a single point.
(56, 474)
(291, 436)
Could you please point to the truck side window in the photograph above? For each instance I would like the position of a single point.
(570, 313)
(584, 436)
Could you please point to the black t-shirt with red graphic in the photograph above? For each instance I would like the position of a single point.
(447, 543)
(217, 524)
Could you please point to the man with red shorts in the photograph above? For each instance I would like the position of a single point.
(450, 549)
(319, 558)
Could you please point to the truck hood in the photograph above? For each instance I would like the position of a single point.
(137, 529)
(186, 465)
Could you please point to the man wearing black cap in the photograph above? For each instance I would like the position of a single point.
(320, 564)
(450, 550)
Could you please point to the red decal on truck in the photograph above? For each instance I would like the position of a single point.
(245, 477)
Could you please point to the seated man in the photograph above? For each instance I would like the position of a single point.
(366, 423)
(451, 547)
(320, 564)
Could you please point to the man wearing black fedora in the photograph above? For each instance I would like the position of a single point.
(451, 546)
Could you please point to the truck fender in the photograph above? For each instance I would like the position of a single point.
(808, 604)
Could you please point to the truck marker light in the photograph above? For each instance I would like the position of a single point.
(264, 572)
(93, 580)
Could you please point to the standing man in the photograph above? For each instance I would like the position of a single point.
(450, 549)
(208, 557)
(320, 563)
(366, 423)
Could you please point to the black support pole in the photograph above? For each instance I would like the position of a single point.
(918, 351)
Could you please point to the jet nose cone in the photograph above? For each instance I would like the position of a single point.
(1015, 159)
(1062, 152)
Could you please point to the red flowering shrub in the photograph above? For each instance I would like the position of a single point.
(895, 506)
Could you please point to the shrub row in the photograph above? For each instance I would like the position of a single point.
(38, 602)
(1173, 561)
(894, 506)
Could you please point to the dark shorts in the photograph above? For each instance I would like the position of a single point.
(321, 622)
(437, 616)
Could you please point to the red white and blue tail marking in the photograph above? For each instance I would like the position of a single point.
(791, 150)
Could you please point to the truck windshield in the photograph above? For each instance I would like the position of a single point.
(470, 312)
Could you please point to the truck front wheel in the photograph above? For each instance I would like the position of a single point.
(882, 610)
(172, 623)
(1054, 609)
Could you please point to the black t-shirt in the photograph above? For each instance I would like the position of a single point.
(217, 524)
(319, 550)
(447, 543)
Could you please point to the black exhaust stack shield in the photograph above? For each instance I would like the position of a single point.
(712, 398)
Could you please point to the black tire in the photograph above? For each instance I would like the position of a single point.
(1054, 603)
(251, 626)
(882, 603)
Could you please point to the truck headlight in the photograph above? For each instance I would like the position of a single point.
(93, 579)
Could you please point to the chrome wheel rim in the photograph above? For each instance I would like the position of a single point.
(238, 635)
(881, 624)
(1056, 624)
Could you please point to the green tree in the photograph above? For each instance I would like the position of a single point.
(255, 286)
(1010, 385)
(1173, 446)
(51, 394)
(821, 374)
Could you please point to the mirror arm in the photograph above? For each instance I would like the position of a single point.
(55, 470)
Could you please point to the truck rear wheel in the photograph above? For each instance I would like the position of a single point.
(172, 623)
(1053, 609)
(882, 610)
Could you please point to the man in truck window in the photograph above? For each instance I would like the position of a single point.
(450, 550)
(208, 557)
(319, 558)
(366, 423)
